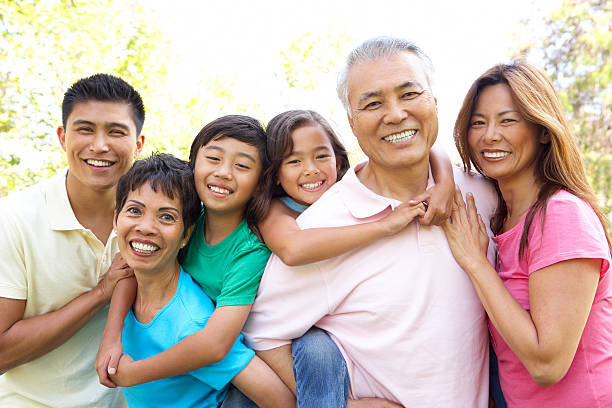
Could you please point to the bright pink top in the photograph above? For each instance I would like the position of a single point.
(571, 230)
(404, 315)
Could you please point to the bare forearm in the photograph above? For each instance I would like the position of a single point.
(34, 337)
(316, 244)
(280, 360)
(121, 302)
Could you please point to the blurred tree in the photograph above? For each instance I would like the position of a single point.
(576, 51)
(46, 45)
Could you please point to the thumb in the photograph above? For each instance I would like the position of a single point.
(113, 363)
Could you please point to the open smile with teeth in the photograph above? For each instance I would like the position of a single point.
(219, 190)
(143, 248)
(400, 137)
(99, 163)
(495, 155)
(310, 186)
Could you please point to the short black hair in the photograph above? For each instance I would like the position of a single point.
(104, 88)
(167, 173)
(247, 130)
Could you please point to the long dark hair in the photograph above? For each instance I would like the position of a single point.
(247, 130)
(280, 144)
(558, 165)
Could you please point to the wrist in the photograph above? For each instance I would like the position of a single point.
(476, 265)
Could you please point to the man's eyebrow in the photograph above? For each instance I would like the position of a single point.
(106, 125)
(408, 84)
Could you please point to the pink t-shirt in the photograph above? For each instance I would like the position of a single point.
(571, 230)
(402, 312)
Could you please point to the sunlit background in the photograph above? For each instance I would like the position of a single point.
(193, 61)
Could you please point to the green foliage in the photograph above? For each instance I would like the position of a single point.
(576, 51)
(45, 46)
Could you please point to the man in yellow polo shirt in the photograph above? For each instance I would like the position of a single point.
(57, 270)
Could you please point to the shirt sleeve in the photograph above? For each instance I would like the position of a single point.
(241, 280)
(219, 374)
(13, 275)
(571, 230)
(290, 300)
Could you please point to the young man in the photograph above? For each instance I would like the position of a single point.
(57, 270)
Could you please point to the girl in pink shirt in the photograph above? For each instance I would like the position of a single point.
(549, 297)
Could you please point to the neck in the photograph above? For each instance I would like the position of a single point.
(93, 209)
(155, 289)
(519, 193)
(401, 184)
(218, 226)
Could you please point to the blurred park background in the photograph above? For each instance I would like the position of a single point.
(193, 61)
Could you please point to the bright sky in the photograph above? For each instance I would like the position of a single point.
(241, 42)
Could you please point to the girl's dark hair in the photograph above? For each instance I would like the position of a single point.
(167, 173)
(558, 165)
(280, 144)
(247, 130)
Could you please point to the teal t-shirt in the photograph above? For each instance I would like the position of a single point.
(186, 313)
(230, 271)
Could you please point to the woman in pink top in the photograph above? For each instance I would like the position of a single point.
(549, 297)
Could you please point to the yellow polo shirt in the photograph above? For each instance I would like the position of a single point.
(48, 259)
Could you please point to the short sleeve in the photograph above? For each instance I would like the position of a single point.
(241, 280)
(13, 276)
(219, 374)
(571, 230)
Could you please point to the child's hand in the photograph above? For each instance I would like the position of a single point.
(122, 376)
(107, 361)
(401, 216)
(117, 270)
(439, 199)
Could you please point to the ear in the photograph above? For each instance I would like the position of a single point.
(544, 136)
(115, 220)
(185, 239)
(350, 121)
(61, 136)
(139, 143)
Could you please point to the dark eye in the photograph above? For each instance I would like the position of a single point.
(477, 123)
(411, 95)
(167, 217)
(508, 120)
(117, 132)
(213, 158)
(242, 166)
(133, 210)
(293, 161)
(323, 156)
(372, 105)
(85, 129)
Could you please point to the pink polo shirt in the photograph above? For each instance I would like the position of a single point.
(404, 315)
(571, 230)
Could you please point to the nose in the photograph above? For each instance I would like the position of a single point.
(394, 113)
(492, 134)
(224, 170)
(99, 144)
(146, 225)
(310, 167)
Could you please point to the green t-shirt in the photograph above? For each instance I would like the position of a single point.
(229, 272)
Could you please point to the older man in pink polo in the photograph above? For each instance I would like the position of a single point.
(403, 314)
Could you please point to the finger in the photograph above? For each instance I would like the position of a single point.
(483, 227)
(103, 376)
(472, 210)
(428, 215)
(424, 196)
(113, 363)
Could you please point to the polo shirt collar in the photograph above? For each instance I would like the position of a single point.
(59, 211)
(362, 202)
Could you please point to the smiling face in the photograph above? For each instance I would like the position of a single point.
(226, 172)
(100, 142)
(150, 230)
(394, 114)
(310, 169)
(501, 141)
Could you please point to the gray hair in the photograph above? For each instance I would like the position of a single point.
(376, 48)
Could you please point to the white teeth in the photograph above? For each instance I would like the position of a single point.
(494, 155)
(219, 190)
(400, 137)
(144, 248)
(99, 163)
(312, 185)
